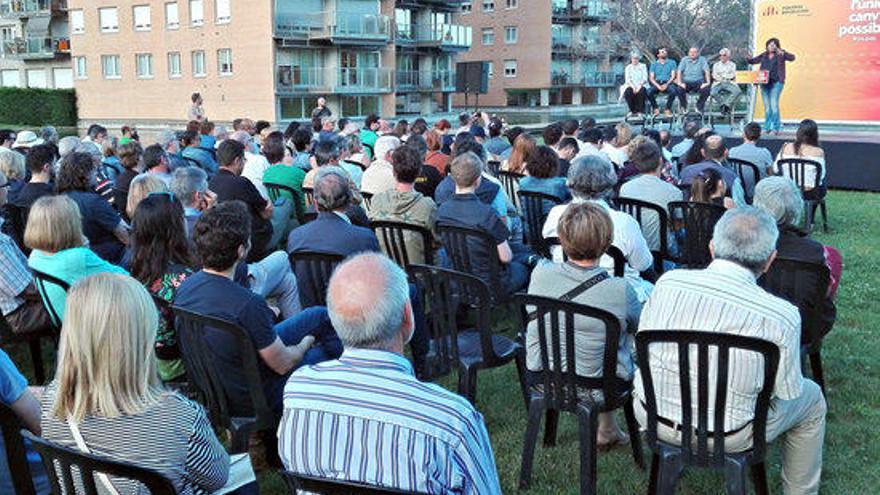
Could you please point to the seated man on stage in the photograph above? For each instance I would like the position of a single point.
(693, 77)
(661, 77)
(725, 91)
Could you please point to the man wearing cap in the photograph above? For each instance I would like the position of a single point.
(725, 91)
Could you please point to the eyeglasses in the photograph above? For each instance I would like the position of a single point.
(168, 194)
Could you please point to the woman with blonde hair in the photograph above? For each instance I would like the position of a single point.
(59, 248)
(12, 165)
(524, 150)
(141, 187)
(107, 399)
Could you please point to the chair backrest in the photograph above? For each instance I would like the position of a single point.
(301, 483)
(803, 284)
(494, 167)
(313, 271)
(444, 292)
(613, 251)
(696, 434)
(796, 170)
(637, 209)
(696, 222)
(404, 243)
(460, 241)
(69, 468)
(749, 175)
(556, 327)
(510, 183)
(41, 280)
(532, 209)
(16, 454)
(205, 373)
(368, 199)
(17, 218)
(309, 194)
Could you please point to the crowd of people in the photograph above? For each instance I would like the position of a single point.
(205, 219)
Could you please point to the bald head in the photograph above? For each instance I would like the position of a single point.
(368, 302)
(714, 148)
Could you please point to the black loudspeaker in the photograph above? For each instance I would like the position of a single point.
(472, 77)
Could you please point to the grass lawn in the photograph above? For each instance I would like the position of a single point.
(852, 374)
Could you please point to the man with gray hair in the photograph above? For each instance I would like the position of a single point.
(725, 298)
(592, 179)
(725, 91)
(170, 142)
(190, 186)
(379, 176)
(429, 439)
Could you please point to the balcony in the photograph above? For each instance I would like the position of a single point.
(415, 80)
(450, 37)
(35, 48)
(28, 8)
(333, 27)
(602, 79)
(437, 5)
(297, 80)
(578, 11)
(561, 45)
(564, 78)
(362, 80)
(348, 80)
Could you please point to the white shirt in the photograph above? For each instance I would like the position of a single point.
(722, 298)
(636, 75)
(378, 177)
(616, 155)
(590, 149)
(627, 237)
(724, 72)
(254, 167)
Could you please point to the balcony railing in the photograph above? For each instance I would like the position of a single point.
(24, 8)
(292, 79)
(333, 26)
(34, 48)
(424, 80)
(297, 80)
(583, 10)
(602, 79)
(452, 36)
(367, 80)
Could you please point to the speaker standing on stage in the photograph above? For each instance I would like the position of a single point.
(636, 77)
(773, 61)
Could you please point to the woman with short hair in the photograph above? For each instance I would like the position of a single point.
(130, 157)
(585, 232)
(107, 399)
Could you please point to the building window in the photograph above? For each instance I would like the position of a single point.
(7, 33)
(174, 68)
(110, 67)
(510, 68)
(196, 13)
(512, 4)
(144, 63)
(222, 11)
(79, 64)
(142, 18)
(172, 16)
(488, 6)
(466, 7)
(488, 36)
(109, 18)
(198, 63)
(224, 61)
(491, 69)
(358, 106)
(36, 78)
(62, 78)
(10, 78)
(77, 22)
(511, 34)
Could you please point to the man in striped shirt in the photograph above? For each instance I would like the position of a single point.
(725, 298)
(365, 417)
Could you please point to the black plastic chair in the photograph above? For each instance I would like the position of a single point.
(34, 340)
(749, 175)
(695, 223)
(301, 483)
(613, 251)
(69, 468)
(16, 453)
(805, 285)
(446, 293)
(532, 209)
(205, 375)
(796, 170)
(16, 216)
(309, 194)
(493, 166)
(458, 243)
(404, 243)
(368, 200)
(313, 271)
(40, 281)
(510, 183)
(563, 390)
(636, 209)
(669, 460)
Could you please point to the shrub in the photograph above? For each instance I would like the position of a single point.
(38, 107)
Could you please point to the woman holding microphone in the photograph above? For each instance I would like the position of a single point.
(773, 61)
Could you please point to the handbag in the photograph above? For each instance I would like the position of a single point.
(577, 290)
(81, 444)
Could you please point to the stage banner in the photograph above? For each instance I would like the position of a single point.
(836, 76)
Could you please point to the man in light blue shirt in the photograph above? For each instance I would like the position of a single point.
(661, 76)
(365, 417)
(751, 152)
(694, 77)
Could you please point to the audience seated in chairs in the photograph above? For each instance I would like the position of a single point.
(221, 239)
(592, 179)
(142, 186)
(372, 387)
(714, 153)
(806, 146)
(54, 233)
(405, 204)
(428, 177)
(379, 176)
(744, 247)
(488, 192)
(586, 232)
(327, 154)
(750, 151)
(107, 399)
(282, 171)
(541, 175)
(708, 187)
(190, 186)
(107, 233)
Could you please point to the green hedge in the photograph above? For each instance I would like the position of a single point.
(38, 107)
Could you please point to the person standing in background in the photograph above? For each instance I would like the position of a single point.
(196, 111)
(773, 61)
(321, 110)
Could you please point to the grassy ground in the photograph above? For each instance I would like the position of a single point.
(852, 373)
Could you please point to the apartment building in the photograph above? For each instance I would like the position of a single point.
(140, 60)
(34, 44)
(546, 52)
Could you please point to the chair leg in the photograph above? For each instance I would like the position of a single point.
(809, 213)
(551, 426)
(668, 473)
(36, 349)
(655, 473)
(635, 438)
(824, 211)
(533, 424)
(521, 372)
(472, 385)
(816, 368)
(759, 479)
(735, 481)
(588, 430)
